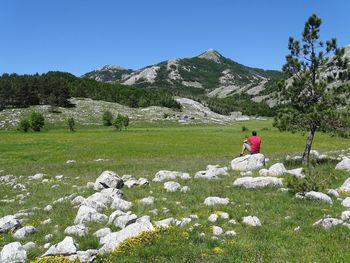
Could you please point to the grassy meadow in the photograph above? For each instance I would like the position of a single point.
(144, 149)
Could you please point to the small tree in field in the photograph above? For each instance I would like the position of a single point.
(107, 118)
(37, 121)
(24, 125)
(315, 94)
(71, 124)
(121, 122)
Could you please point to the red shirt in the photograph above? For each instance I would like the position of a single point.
(254, 142)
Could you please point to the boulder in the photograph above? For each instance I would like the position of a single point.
(165, 223)
(13, 253)
(251, 221)
(262, 172)
(65, 248)
(344, 164)
(317, 196)
(297, 172)
(333, 192)
(277, 169)
(327, 223)
(147, 200)
(212, 172)
(172, 186)
(121, 204)
(214, 200)
(78, 200)
(345, 186)
(346, 202)
(345, 215)
(76, 230)
(108, 179)
(97, 201)
(123, 220)
(258, 182)
(102, 232)
(248, 162)
(9, 222)
(24, 232)
(87, 256)
(112, 240)
(170, 175)
(88, 214)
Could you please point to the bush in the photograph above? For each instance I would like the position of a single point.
(107, 118)
(121, 122)
(71, 124)
(244, 128)
(24, 125)
(37, 121)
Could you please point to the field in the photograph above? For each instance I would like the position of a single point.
(144, 149)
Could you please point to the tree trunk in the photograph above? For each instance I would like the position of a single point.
(310, 138)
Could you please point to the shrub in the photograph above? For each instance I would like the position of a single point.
(107, 118)
(71, 124)
(121, 122)
(37, 121)
(24, 125)
(244, 128)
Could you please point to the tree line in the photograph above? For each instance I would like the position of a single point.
(56, 88)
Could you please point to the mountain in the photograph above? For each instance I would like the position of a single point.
(209, 73)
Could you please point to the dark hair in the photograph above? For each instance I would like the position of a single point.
(254, 133)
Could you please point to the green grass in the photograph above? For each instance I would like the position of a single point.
(144, 149)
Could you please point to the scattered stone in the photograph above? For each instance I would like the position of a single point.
(166, 175)
(102, 232)
(345, 215)
(232, 222)
(37, 176)
(194, 216)
(277, 169)
(88, 214)
(65, 248)
(346, 202)
(230, 233)
(13, 253)
(212, 172)
(327, 223)
(76, 230)
(333, 192)
(87, 256)
(312, 195)
(213, 200)
(147, 200)
(185, 189)
(165, 223)
(112, 240)
(90, 185)
(248, 162)
(345, 186)
(262, 172)
(121, 204)
(78, 200)
(24, 232)
(8, 223)
(29, 246)
(251, 221)
(283, 190)
(224, 215)
(48, 208)
(48, 237)
(108, 179)
(344, 164)
(184, 221)
(123, 220)
(213, 218)
(297, 172)
(47, 245)
(172, 186)
(297, 229)
(46, 222)
(45, 181)
(71, 161)
(258, 182)
(217, 231)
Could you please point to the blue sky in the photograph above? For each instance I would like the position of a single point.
(78, 36)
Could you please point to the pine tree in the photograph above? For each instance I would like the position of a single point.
(315, 94)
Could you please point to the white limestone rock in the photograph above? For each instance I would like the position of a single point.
(213, 218)
(185, 189)
(251, 221)
(212, 172)
(327, 223)
(76, 230)
(24, 232)
(297, 172)
(102, 232)
(333, 192)
(88, 214)
(121, 204)
(277, 169)
(87, 256)
(111, 241)
(217, 231)
(170, 175)
(165, 223)
(123, 220)
(66, 247)
(248, 162)
(13, 253)
(172, 186)
(317, 196)
(214, 200)
(37, 176)
(29, 246)
(108, 179)
(344, 164)
(78, 200)
(258, 182)
(230, 233)
(147, 200)
(48, 208)
(345, 187)
(184, 221)
(262, 172)
(9, 222)
(346, 202)
(345, 215)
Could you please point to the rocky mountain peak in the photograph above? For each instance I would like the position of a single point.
(111, 67)
(211, 54)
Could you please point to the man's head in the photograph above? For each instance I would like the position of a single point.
(254, 133)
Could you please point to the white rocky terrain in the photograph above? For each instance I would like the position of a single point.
(89, 112)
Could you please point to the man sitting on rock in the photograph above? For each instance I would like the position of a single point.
(252, 144)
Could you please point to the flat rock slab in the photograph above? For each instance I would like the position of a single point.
(258, 182)
(316, 196)
(248, 162)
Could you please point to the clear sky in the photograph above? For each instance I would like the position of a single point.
(78, 36)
